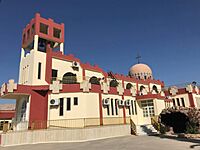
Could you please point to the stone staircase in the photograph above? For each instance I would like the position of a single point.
(147, 129)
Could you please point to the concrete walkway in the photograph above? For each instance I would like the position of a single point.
(120, 143)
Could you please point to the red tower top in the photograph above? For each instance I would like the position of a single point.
(45, 28)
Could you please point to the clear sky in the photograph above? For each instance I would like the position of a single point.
(110, 33)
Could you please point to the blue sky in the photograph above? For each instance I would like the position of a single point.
(111, 32)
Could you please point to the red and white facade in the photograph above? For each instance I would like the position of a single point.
(184, 96)
(53, 86)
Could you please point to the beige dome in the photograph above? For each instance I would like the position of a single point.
(141, 71)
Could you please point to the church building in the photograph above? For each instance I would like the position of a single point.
(58, 90)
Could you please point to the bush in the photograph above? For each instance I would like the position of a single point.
(192, 128)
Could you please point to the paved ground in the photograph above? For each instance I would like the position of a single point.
(120, 143)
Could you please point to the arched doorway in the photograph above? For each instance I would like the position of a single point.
(69, 78)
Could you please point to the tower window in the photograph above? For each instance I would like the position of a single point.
(54, 74)
(56, 33)
(33, 29)
(39, 70)
(42, 45)
(24, 38)
(28, 33)
(44, 28)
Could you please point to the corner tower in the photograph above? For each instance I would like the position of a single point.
(39, 38)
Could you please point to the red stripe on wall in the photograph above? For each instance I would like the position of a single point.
(39, 109)
(48, 73)
(191, 100)
(124, 111)
(100, 109)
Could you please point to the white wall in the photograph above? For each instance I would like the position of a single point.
(186, 99)
(63, 135)
(64, 67)
(88, 106)
(89, 73)
(158, 87)
(120, 109)
(28, 74)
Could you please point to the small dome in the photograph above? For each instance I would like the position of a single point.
(141, 71)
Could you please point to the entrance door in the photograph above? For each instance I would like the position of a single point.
(148, 111)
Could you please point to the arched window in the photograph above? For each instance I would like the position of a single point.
(94, 80)
(129, 86)
(113, 83)
(69, 78)
(142, 88)
(155, 89)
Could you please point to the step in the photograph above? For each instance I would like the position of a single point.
(146, 130)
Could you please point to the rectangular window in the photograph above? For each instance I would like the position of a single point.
(178, 102)
(108, 110)
(132, 107)
(174, 103)
(33, 29)
(183, 102)
(24, 38)
(61, 107)
(116, 108)
(129, 110)
(75, 100)
(28, 33)
(135, 107)
(112, 107)
(44, 28)
(39, 70)
(54, 74)
(57, 33)
(68, 104)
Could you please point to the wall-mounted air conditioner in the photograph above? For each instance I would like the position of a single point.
(54, 102)
(120, 102)
(75, 64)
(106, 102)
(128, 103)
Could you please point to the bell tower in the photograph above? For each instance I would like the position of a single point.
(40, 32)
(40, 37)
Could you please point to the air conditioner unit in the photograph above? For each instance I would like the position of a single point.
(106, 102)
(120, 102)
(128, 103)
(75, 64)
(168, 97)
(54, 102)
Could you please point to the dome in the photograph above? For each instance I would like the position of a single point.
(141, 71)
